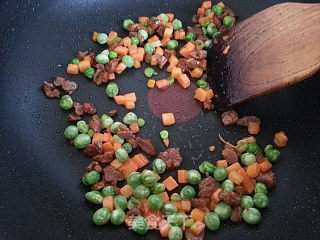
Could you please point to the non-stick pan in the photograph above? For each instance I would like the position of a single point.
(41, 195)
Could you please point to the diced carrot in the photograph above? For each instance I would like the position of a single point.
(165, 41)
(170, 183)
(253, 170)
(177, 204)
(133, 49)
(179, 35)
(94, 36)
(112, 35)
(121, 50)
(107, 203)
(140, 160)
(221, 4)
(198, 215)
(106, 137)
(97, 137)
(197, 227)
(126, 191)
(138, 57)
(246, 183)
(253, 127)
(196, 73)
(206, 5)
(200, 94)
(222, 163)
(173, 60)
(190, 46)
(265, 166)
(143, 20)
(157, 175)
(83, 65)
(164, 228)
(212, 206)
(162, 83)
(126, 41)
(116, 146)
(167, 33)
(250, 139)
(164, 196)
(130, 97)
(116, 164)
(73, 69)
(134, 127)
(170, 16)
(119, 99)
(280, 139)
(184, 52)
(183, 80)
(182, 176)
(212, 148)
(153, 60)
(203, 64)
(203, 20)
(159, 51)
(211, 16)
(209, 94)
(136, 64)
(170, 68)
(186, 205)
(127, 168)
(176, 72)
(233, 167)
(201, 11)
(235, 177)
(141, 50)
(108, 146)
(129, 105)
(168, 119)
(153, 39)
(112, 76)
(120, 68)
(89, 58)
(215, 195)
(151, 83)
(128, 220)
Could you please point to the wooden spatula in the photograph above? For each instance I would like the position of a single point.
(275, 48)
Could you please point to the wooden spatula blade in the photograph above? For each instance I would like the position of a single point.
(275, 48)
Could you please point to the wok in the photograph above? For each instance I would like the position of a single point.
(41, 193)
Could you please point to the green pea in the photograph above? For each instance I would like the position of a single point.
(189, 222)
(93, 197)
(122, 155)
(133, 202)
(170, 80)
(202, 84)
(211, 29)
(193, 176)
(246, 202)
(155, 202)
(118, 139)
(205, 52)
(149, 48)
(177, 24)
(158, 188)
(145, 24)
(205, 24)
(199, 42)
(141, 192)
(212, 221)
(158, 166)
(113, 55)
(128, 61)
(148, 72)
(143, 33)
(130, 118)
(220, 173)
(120, 202)
(71, 132)
(175, 197)
(169, 208)
(172, 44)
(75, 61)
(251, 215)
(190, 36)
(149, 178)
(107, 122)
(208, 11)
(175, 233)
(101, 216)
(89, 72)
(107, 191)
(253, 148)
(112, 89)
(66, 102)
(134, 179)
(260, 188)
(139, 225)
(242, 146)
(92, 177)
(114, 127)
(228, 22)
(117, 216)
(273, 155)
(105, 52)
(127, 147)
(135, 41)
(102, 38)
(102, 58)
(223, 211)
(116, 41)
(175, 219)
(153, 18)
(216, 34)
(82, 141)
(141, 122)
(227, 185)
(90, 133)
(103, 117)
(267, 148)
(164, 17)
(126, 23)
(217, 9)
(187, 193)
(248, 158)
(207, 168)
(82, 126)
(164, 134)
(260, 200)
(204, 30)
(207, 44)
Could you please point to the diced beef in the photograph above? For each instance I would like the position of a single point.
(112, 65)
(58, 82)
(69, 86)
(81, 55)
(113, 113)
(147, 58)
(94, 166)
(98, 186)
(244, 121)
(154, 24)
(105, 157)
(111, 175)
(161, 30)
(207, 187)
(93, 149)
(78, 109)
(124, 132)
(49, 93)
(161, 60)
(95, 124)
(229, 117)
(239, 190)
(260, 158)
(168, 53)
(136, 27)
(183, 64)
(171, 157)
(230, 198)
(191, 236)
(135, 211)
(201, 203)
(146, 146)
(133, 143)
(267, 178)
(208, 105)
(193, 63)
(236, 214)
(72, 118)
(89, 108)
(230, 155)
(194, 19)
(100, 67)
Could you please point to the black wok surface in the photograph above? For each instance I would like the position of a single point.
(41, 196)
